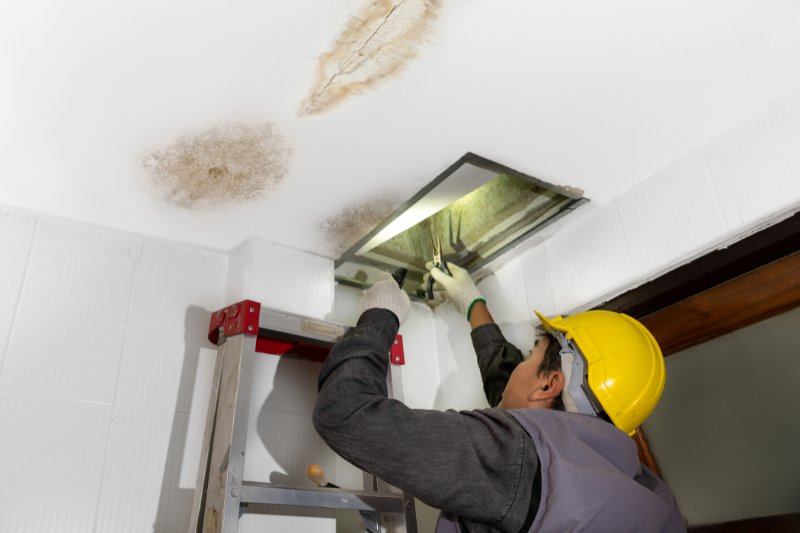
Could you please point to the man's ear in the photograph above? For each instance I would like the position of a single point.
(554, 383)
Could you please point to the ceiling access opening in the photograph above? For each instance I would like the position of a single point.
(477, 209)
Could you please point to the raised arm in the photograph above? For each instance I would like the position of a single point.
(477, 464)
(497, 358)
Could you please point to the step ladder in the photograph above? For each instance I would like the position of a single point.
(240, 331)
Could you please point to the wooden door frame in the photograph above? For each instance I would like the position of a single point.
(749, 281)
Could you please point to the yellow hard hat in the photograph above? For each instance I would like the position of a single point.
(624, 368)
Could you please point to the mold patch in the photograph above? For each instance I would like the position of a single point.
(378, 42)
(225, 164)
(346, 228)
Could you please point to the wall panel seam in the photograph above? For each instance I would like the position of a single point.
(19, 298)
(717, 202)
(624, 240)
(24, 396)
(104, 464)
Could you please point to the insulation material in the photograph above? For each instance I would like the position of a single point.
(475, 211)
(474, 227)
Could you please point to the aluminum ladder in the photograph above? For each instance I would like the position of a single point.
(240, 331)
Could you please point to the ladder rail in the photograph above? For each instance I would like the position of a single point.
(221, 489)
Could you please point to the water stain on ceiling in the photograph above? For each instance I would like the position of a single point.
(225, 164)
(346, 228)
(378, 42)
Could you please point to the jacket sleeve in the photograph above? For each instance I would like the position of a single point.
(497, 358)
(478, 464)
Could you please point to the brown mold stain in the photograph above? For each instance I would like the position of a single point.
(377, 43)
(224, 164)
(354, 222)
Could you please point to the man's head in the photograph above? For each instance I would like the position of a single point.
(614, 366)
(537, 382)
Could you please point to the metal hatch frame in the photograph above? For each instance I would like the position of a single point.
(350, 255)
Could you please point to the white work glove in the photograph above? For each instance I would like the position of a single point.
(458, 288)
(386, 294)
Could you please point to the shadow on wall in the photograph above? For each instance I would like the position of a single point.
(286, 430)
(175, 502)
(284, 422)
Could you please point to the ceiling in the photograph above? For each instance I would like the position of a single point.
(306, 123)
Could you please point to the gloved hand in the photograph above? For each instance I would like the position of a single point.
(459, 288)
(386, 294)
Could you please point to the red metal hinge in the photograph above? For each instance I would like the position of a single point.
(396, 354)
(238, 318)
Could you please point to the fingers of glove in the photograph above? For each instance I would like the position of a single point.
(386, 294)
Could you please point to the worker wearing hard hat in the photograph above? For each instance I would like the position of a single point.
(553, 455)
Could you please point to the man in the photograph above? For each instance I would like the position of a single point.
(524, 465)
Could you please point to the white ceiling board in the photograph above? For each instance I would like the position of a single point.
(596, 95)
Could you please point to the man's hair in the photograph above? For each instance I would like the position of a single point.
(551, 363)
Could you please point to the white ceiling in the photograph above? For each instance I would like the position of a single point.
(596, 95)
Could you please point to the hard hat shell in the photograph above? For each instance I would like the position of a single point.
(625, 365)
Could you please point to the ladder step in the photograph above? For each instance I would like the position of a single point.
(253, 492)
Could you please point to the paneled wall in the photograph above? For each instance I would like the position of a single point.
(104, 375)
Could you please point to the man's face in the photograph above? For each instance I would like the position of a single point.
(525, 388)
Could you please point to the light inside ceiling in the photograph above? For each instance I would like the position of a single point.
(478, 209)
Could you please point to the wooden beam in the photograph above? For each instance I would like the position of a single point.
(646, 456)
(719, 266)
(750, 298)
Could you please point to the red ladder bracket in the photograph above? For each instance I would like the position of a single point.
(243, 318)
(238, 318)
(397, 355)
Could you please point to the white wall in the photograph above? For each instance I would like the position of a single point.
(103, 375)
(726, 432)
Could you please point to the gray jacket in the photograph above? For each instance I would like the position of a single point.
(481, 465)
(591, 479)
